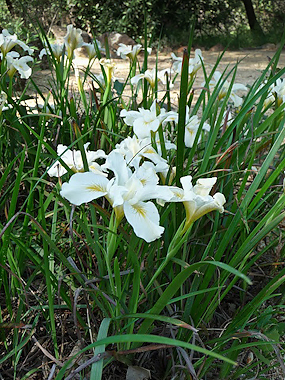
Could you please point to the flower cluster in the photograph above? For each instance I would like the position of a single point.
(130, 192)
(154, 76)
(12, 59)
(136, 174)
(73, 40)
(146, 122)
(129, 178)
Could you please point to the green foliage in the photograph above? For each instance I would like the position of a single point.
(216, 21)
(169, 19)
(82, 274)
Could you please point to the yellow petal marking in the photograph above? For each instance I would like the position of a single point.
(140, 210)
(96, 188)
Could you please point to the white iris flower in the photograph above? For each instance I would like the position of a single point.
(14, 63)
(73, 159)
(129, 51)
(151, 76)
(8, 41)
(197, 199)
(194, 63)
(144, 121)
(73, 40)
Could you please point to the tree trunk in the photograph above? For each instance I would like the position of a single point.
(252, 20)
(10, 7)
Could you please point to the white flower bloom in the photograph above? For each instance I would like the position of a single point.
(279, 90)
(73, 160)
(90, 48)
(197, 200)
(73, 40)
(191, 129)
(109, 67)
(144, 121)
(19, 64)
(176, 63)
(237, 100)
(275, 90)
(131, 199)
(3, 100)
(57, 50)
(134, 150)
(129, 51)
(170, 116)
(191, 125)
(8, 41)
(150, 76)
(99, 80)
(194, 63)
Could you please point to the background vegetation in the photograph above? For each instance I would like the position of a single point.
(237, 22)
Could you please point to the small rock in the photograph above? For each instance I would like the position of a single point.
(269, 46)
(181, 49)
(114, 39)
(217, 47)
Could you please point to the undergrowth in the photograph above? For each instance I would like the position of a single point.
(135, 235)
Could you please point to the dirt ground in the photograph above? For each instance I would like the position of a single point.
(251, 64)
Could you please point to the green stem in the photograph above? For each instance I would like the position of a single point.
(178, 240)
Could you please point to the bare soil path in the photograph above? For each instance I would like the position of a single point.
(251, 64)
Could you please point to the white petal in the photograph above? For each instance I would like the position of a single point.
(142, 127)
(189, 137)
(115, 162)
(84, 187)
(177, 194)
(42, 53)
(204, 186)
(135, 80)
(116, 194)
(206, 208)
(186, 183)
(237, 100)
(153, 192)
(206, 127)
(56, 170)
(144, 218)
(130, 116)
(239, 87)
(220, 200)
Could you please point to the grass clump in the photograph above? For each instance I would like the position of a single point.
(130, 227)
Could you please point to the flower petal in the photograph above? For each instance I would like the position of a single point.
(144, 218)
(204, 186)
(84, 187)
